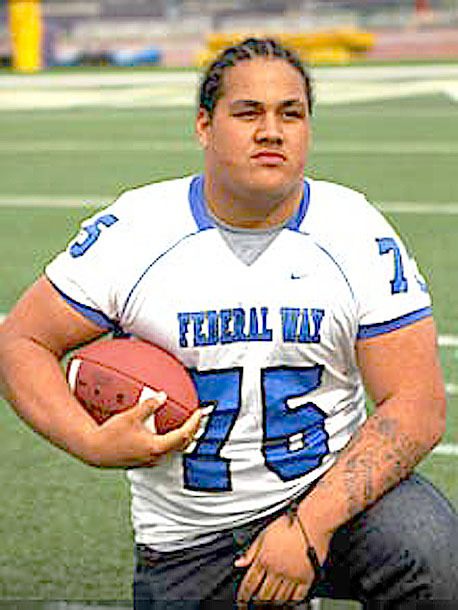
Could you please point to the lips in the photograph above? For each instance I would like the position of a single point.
(269, 157)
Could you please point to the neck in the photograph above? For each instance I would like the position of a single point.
(259, 212)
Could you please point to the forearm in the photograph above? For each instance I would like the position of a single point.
(33, 339)
(385, 450)
(33, 382)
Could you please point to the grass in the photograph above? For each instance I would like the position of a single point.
(65, 530)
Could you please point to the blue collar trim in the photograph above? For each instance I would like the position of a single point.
(205, 221)
(198, 207)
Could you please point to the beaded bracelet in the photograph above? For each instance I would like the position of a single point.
(292, 512)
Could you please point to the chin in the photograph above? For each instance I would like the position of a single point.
(273, 184)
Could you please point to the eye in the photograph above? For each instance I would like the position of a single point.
(293, 113)
(247, 114)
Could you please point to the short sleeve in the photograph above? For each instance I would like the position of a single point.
(391, 291)
(86, 273)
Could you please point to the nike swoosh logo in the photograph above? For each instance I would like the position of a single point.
(298, 276)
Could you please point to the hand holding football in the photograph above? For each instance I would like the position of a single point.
(110, 376)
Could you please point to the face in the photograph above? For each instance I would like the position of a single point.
(256, 143)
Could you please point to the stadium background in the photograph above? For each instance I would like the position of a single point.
(72, 138)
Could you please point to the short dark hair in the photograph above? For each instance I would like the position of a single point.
(211, 87)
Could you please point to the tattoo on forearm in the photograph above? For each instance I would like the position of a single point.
(372, 469)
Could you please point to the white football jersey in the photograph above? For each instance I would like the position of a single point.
(271, 345)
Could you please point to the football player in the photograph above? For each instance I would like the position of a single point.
(287, 298)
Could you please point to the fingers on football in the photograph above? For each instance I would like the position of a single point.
(179, 439)
(150, 405)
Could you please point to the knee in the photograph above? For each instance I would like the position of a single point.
(416, 530)
(403, 548)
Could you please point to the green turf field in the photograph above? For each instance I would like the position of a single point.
(65, 531)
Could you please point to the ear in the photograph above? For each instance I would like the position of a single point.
(203, 124)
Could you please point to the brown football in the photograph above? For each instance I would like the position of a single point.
(110, 376)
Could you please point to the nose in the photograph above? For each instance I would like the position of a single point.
(269, 129)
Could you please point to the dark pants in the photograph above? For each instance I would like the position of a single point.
(396, 555)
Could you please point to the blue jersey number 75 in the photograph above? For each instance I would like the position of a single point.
(294, 439)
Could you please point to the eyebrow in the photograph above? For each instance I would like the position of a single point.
(257, 104)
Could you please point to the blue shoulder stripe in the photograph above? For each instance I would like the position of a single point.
(94, 315)
(366, 331)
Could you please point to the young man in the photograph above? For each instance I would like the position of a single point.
(284, 297)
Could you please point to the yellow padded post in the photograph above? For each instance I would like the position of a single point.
(26, 29)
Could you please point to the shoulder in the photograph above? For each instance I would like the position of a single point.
(339, 211)
(154, 213)
(162, 199)
(342, 200)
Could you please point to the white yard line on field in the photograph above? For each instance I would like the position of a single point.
(8, 147)
(92, 146)
(410, 207)
(448, 449)
(387, 148)
(448, 340)
(93, 114)
(54, 201)
(123, 78)
(144, 89)
(451, 389)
